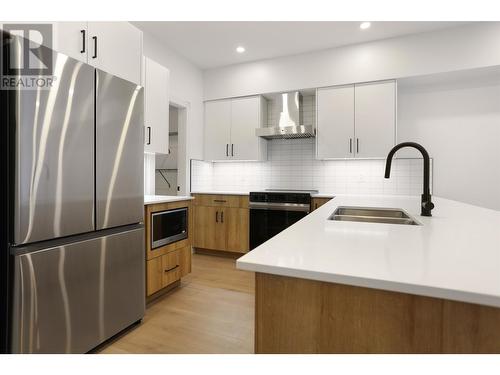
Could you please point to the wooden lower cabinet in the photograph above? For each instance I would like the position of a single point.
(318, 202)
(221, 223)
(295, 315)
(237, 229)
(167, 264)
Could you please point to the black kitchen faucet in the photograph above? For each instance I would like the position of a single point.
(427, 204)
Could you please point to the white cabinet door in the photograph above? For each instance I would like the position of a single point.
(335, 122)
(245, 118)
(71, 38)
(375, 113)
(116, 48)
(217, 130)
(156, 107)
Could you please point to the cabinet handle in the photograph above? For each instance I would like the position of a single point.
(350, 145)
(149, 135)
(171, 269)
(232, 149)
(83, 41)
(222, 216)
(95, 47)
(357, 145)
(227, 149)
(315, 206)
(216, 216)
(220, 200)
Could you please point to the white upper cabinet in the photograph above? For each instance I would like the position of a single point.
(247, 114)
(356, 121)
(335, 122)
(375, 113)
(230, 129)
(71, 38)
(217, 129)
(156, 107)
(116, 48)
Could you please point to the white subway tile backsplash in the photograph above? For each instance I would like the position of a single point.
(291, 165)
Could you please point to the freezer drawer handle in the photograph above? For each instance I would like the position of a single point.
(83, 41)
(95, 47)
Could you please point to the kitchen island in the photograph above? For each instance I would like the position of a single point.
(326, 286)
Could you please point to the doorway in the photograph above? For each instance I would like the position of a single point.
(169, 168)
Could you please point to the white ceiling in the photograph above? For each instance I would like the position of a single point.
(212, 44)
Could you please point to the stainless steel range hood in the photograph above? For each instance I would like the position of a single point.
(290, 125)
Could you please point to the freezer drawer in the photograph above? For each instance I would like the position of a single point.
(69, 299)
(119, 151)
(54, 154)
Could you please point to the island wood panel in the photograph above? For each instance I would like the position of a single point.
(304, 316)
(237, 224)
(318, 202)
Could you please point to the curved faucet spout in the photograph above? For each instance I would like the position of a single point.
(427, 204)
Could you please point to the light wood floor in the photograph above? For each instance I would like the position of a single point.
(211, 312)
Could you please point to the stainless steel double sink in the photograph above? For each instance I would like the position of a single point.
(372, 215)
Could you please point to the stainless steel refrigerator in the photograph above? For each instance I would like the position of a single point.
(74, 199)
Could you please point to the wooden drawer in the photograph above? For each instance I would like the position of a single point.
(171, 268)
(163, 271)
(220, 200)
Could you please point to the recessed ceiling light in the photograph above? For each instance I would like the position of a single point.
(240, 49)
(365, 25)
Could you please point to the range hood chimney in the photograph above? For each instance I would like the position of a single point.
(290, 123)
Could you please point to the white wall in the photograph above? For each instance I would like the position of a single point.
(458, 120)
(464, 47)
(186, 88)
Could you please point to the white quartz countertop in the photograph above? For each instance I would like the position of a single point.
(455, 254)
(153, 199)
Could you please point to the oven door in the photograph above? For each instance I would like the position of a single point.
(169, 226)
(268, 221)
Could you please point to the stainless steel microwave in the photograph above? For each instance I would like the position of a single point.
(169, 226)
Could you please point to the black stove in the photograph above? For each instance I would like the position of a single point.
(272, 211)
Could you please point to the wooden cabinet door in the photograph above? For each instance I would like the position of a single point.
(236, 223)
(375, 111)
(209, 231)
(318, 202)
(245, 118)
(335, 122)
(217, 130)
(154, 275)
(116, 48)
(156, 107)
